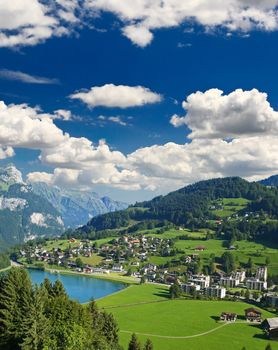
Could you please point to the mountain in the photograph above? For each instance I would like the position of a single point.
(270, 181)
(190, 205)
(23, 213)
(28, 211)
(76, 208)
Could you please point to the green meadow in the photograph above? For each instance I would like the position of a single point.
(182, 324)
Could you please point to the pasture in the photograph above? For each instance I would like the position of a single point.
(182, 324)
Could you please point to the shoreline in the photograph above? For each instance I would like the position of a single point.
(112, 278)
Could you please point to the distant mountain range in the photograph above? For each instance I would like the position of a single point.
(28, 211)
(76, 208)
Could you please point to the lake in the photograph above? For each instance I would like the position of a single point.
(80, 288)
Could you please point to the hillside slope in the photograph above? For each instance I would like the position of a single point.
(193, 201)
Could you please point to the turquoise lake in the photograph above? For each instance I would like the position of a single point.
(80, 288)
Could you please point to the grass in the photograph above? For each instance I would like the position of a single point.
(230, 206)
(146, 309)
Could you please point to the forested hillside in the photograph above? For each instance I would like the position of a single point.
(191, 206)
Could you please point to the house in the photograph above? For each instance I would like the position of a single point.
(200, 248)
(228, 317)
(270, 325)
(215, 292)
(117, 268)
(253, 315)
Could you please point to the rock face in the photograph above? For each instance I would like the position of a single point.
(28, 211)
(20, 210)
(77, 208)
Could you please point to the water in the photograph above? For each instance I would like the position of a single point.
(80, 288)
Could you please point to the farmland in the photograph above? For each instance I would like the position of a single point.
(182, 324)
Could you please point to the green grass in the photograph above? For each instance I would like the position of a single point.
(230, 206)
(146, 309)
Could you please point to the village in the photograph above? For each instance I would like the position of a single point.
(129, 255)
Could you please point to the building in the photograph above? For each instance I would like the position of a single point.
(228, 317)
(270, 325)
(190, 288)
(261, 273)
(229, 282)
(200, 280)
(272, 300)
(239, 275)
(215, 292)
(253, 315)
(256, 284)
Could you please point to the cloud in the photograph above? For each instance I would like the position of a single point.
(31, 22)
(113, 119)
(25, 78)
(80, 163)
(120, 96)
(241, 113)
(141, 18)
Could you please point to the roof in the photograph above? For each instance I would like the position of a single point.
(273, 322)
(253, 310)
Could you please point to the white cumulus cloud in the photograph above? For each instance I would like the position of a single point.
(120, 96)
(212, 114)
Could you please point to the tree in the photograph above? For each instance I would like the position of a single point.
(134, 343)
(148, 345)
(268, 347)
(228, 262)
(250, 263)
(247, 294)
(175, 290)
(79, 263)
(267, 260)
(142, 280)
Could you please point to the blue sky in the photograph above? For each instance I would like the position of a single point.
(178, 62)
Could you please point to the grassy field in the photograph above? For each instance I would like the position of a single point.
(181, 324)
(230, 206)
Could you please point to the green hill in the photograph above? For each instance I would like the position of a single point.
(239, 206)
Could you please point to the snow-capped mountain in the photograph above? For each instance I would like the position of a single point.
(32, 210)
(77, 208)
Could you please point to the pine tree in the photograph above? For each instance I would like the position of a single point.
(58, 289)
(148, 345)
(35, 324)
(134, 343)
(268, 347)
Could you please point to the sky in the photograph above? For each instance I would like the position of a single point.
(136, 98)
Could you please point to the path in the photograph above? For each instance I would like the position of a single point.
(181, 337)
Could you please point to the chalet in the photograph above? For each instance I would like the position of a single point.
(200, 248)
(253, 315)
(228, 317)
(270, 325)
(117, 268)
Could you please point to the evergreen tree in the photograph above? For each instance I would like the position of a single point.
(134, 343)
(268, 347)
(175, 291)
(148, 345)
